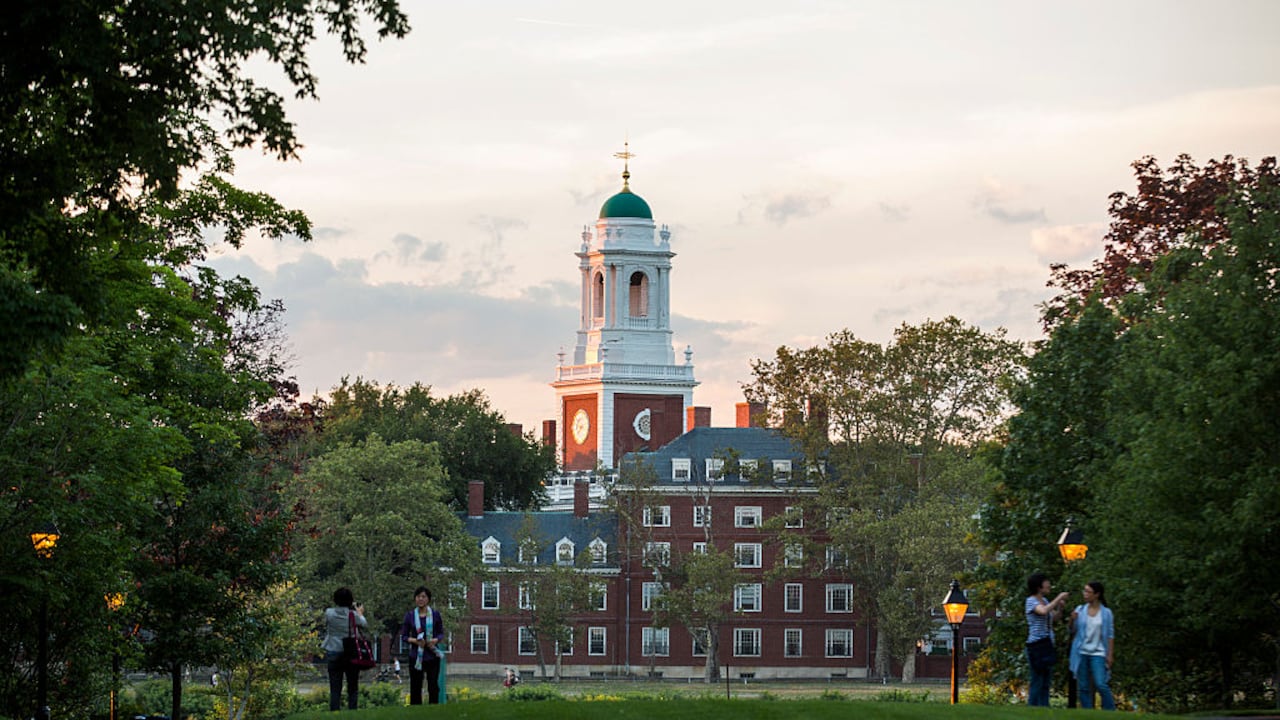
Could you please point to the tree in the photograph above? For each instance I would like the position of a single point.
(553, 594)
(474, 440)
(699, 596)
(1147, 416)
(99, 100)
(891, 432)
(272, 644)
(380, 525)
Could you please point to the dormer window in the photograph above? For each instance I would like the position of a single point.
(491, 551)
(715, 469)
(528, 554)
(680, 469)
(564, 551)
(781, 471)
(599, 551)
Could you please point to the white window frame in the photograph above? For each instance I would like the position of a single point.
(834, 592)
(657, 553)
(458, 595)
(568, 650)
(755, 550)
(832, 638)
(748, 597)
(484, 594)
(491, 551)
(526, 638)
(600, 594)
(790, 635)
(782, 471)
(649, 592)
(795, 516)
(748, 516)
(597, 635)
(701, 515)
(747, 469)
(565, 551)
(790, 592)
(480, 639)
(599, 551)
(793, 555)
(970, 644)
(700, 548)
(657, 516)
(697, 649)
(528, 555)
(715, 469)
(655, 642)
(524, 597)
(836, 557)
(747, 639)
(681, 469)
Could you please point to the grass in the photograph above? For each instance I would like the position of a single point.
(701, 709)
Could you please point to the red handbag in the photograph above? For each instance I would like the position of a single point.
(356, 648)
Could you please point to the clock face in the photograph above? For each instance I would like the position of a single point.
(581, 426)
(641, 424)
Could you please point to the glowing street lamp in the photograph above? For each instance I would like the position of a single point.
(955, 605)
(1071, 543)
(44, 541)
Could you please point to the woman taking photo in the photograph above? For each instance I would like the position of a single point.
(423, 629)
(337, 625)
(1093, 647)
(1040, 652)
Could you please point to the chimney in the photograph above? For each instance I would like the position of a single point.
(696, 417)
(749, 414)
(475, 498)
(581, 497)
(516, 429)
(549, 433)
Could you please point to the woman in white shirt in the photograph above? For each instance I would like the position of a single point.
(1093, 647)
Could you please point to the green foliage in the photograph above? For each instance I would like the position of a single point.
(1149, 417)
(473, 439)
(898, 695)
(830, 694)
(525, 692)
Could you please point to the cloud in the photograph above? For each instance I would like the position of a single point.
(1067, 243)
(1006, 204)
(780, 209)
(410, 249)
(328, 233)
(895, 213)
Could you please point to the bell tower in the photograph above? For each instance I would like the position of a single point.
(622, 389)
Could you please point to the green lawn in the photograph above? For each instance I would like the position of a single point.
(700, 709)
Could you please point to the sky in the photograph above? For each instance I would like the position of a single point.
(821, 165)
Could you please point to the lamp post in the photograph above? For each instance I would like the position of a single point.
(1072, 549)
(955, 605)
(44, 541)
(114, 602)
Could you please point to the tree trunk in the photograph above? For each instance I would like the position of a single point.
(175, 673)
(713, 657)
(909, 666)
(882, 653)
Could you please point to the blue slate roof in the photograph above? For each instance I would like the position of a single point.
(702, 443)
(504, 526)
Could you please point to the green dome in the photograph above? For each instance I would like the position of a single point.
(626, 204)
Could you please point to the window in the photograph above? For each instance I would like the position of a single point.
(599, 596)
(781, 471)
(746, 555)
(715, 469)
(840, 643)
(701, 515)
(700, 548)
(528, 554)
(638, 295)
(596, 640)
(839, 598)
(748, 469)
(597, 297)
(793, 555)
(699, 644)
(837, 557)
(793, 597)
(567, 648)
(791, 642)
(655, 642)
(657, 553)
(599, 551)
(795, 517)
(680, 469)
(657, 516)
(491, 551)
(971, 644)
(448, 643)
(489, 595)
(457, 595)
(525, 597)
(648, 593)
(479, 639)
(564, 551)
(746, 597)
(528, 643)
(747, 516)
(746, 642)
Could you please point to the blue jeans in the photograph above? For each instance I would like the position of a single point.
(1094, 675)
(1038, 693)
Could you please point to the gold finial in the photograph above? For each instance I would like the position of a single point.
(625, 156)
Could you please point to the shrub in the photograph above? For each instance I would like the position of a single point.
(902, 696)
(830, 694)
(524, 692)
